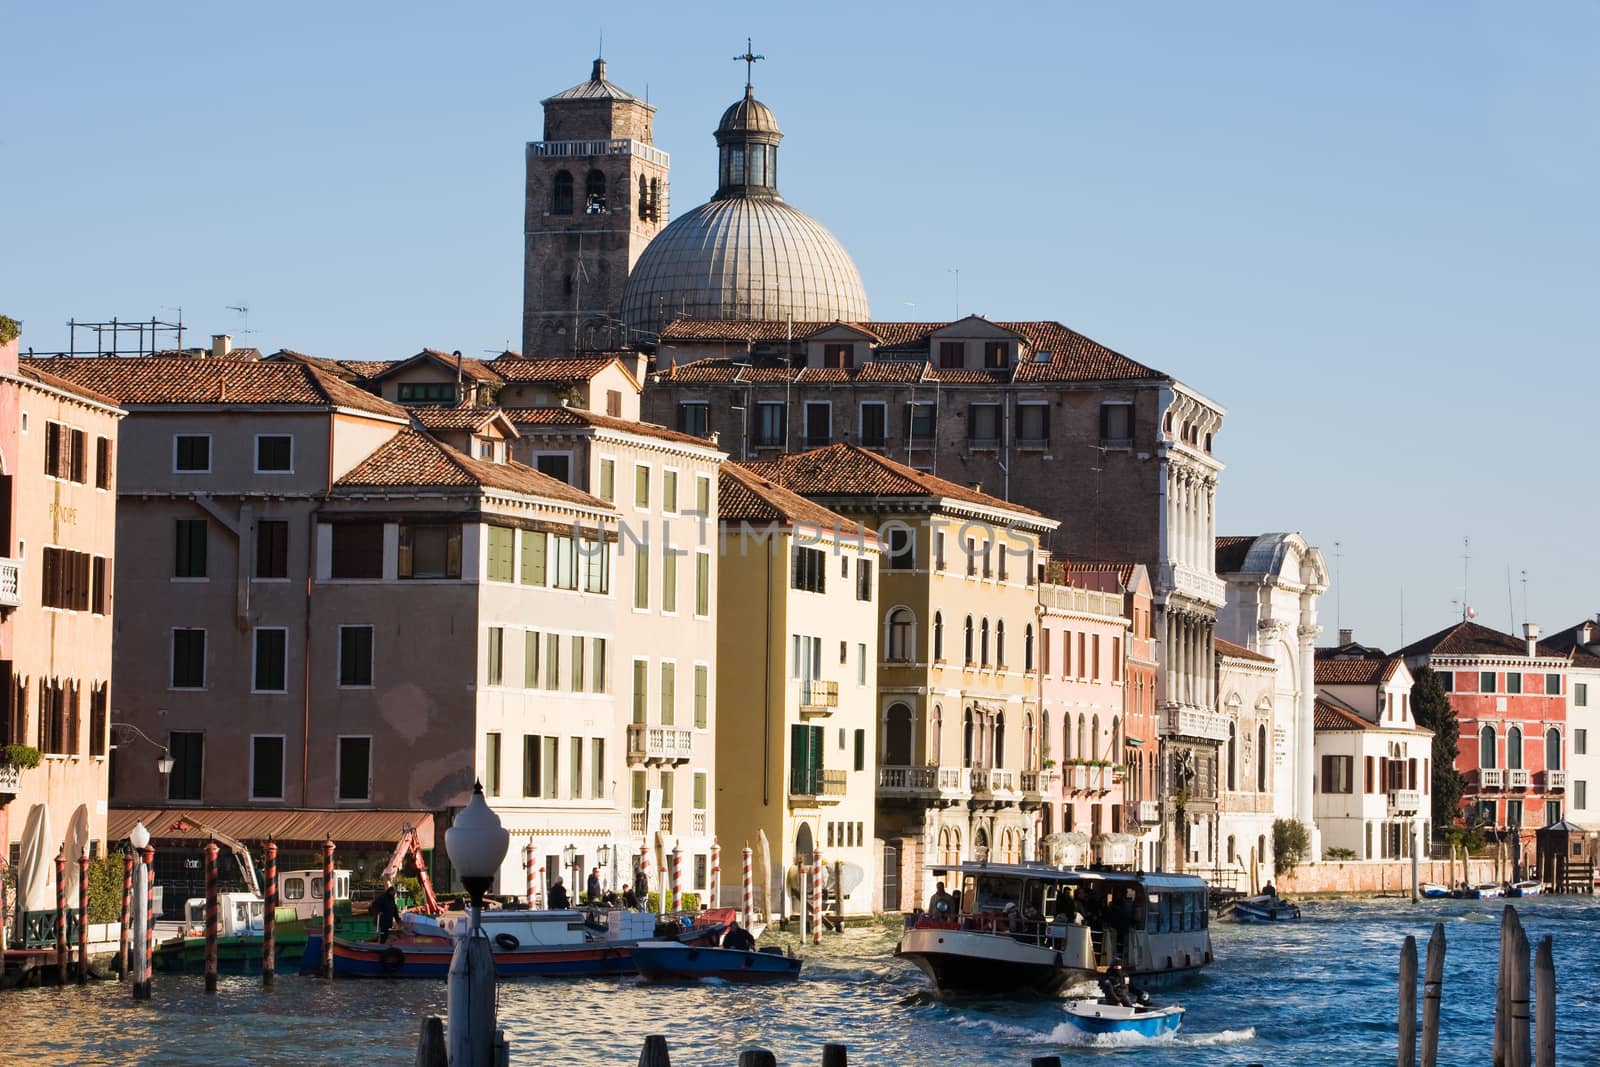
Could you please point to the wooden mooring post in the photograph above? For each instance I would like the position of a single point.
(326, 970)
(61, 917)
(127, 912)
(1517, 1013)
(269, 918)
(83, 917)
(1432, 992)
(213, 916)
(1408, 1004)
(1544, 992)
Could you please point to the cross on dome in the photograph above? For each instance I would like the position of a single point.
(749, 59)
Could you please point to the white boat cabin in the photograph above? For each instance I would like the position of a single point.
(302, 891)
(238, 915)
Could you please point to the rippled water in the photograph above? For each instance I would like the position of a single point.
(1320, 992)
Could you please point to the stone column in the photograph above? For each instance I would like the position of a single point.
(1306, 743)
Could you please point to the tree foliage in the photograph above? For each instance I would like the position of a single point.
(105, 888)
(1290, 843)
(9, 329)
(1430, 705)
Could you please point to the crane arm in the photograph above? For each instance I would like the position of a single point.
(237, 847)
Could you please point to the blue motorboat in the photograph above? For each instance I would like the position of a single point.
(1433, 891)
(1529, 888)
(1098, 1017)
(1266, 908)
(665, 960)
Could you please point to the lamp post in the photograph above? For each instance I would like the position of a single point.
(476, 844)
(602, 856)
(570, 857)
(139, 838)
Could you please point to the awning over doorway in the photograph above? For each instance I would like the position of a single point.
(289, 827)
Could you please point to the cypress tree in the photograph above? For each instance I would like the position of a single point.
(1430, 705)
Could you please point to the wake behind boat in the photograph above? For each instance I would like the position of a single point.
(1017, 927)
(1098, 1017)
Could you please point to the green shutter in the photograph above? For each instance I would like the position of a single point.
(699, 790)
(533, 550)
(702, 681)
(669, 693)
(502, 554)
(641, 680)
(530, 659)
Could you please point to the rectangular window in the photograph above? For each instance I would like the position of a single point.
(266, 768)
(952, 354)
(608, 481)
(1580, 694)
(874, 423)
(702, 694)
(440, 393)
(819, 423)
(274, 453)
(66, 579)
(1033, 424)
(597, 665)
(531, 766)
(700, 790)
(702, 495)
(496, 645)
(530, 659)
(1552, 685)
(102, 462)
(1580, 795)
(638, 789)
(667, 791)
(99, 706)
(641, 689)
(597, 768)
(577, 664)
(1116, 659)
(100, 586)
(864, 579)
(1337, 774)
(1094, 658)
(669, 492)
(355, 656)
(491, 764)
(501, 566)
(1116, 425)
(1513, 682)
(575, 771)
(191, 453)
(1447, 679)
(355, 768)
(188, 659)
(1486, 680)
(272, 548)
(188, 753)
(838, 357)
(692, 417)
(189, 560)
(919, 420)
(669, 581)
(434, 551)
(938, 550)
(1580, 742)
(902, 550)
(552, 661)
(641, 486)
(861, 663)
(271, 660)
(596, 566)
(566, 562)
(534, 547)
(771, 425)
(702, 584)
(614, 403)
(552, 760)
(996, 355)
(983, 425)
(669, 693)
(861, 750)
(357, 550)
(557, 465)
(808, 570)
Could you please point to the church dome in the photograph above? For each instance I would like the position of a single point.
(745, 254)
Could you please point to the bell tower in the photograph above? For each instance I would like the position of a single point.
(596, 194)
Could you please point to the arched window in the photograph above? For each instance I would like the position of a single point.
(1027, 648)
(1029, 763)
(980, 844)
(594, 193)
(1486, 751)
(1084, 751)
(1514, 749)
(1261, 759)
(966, 738)
(1115, 755)
(1552, 749)
(1094, 738)
(1044, 736)
(1233, 756)
(1000, 643)
(802, 843)
(997, 758)
(969, 659)
(644, 198)
(1066, 737)
(901, 647)
(936, 733)
(897, 736)
(938, 636)
(983, 643)
(561, 194)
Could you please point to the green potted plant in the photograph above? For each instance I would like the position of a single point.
(22, 757)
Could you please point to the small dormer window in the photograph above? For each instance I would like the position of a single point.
(841, 357)
(996, 355)
(952, 354)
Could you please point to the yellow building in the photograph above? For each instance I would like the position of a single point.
(957, 699)
(797, 671)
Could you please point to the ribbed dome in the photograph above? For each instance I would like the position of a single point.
(749, 116)
(743, 258)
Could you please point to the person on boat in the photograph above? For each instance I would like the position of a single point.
(941, 905)
(738, 938)
(1269, 890)
(386, 910)
(558, 894)
(593, 888)
(1120, 919)
(630, 899)
(1115, 986)
(610, 899)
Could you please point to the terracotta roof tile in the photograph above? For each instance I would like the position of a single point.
(1570, 641)
(1353, 671)
(1471, 639)
(535, 417)
(366, 369)
(1228, 648)
(744, 495)
(465, 418)
(412, 458)
(514, 368)
(1231, 552)
(846, 470)
(31, 371)
(1326, 715)
(1060, 571)
(154, 380)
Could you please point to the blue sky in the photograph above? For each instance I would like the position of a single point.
(1368, 229)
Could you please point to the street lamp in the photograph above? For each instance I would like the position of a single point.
(476, 844)
(163, 765)
(603, 854)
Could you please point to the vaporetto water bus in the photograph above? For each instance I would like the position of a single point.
(1013, 927)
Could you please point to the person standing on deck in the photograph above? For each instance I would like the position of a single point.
(387, 911)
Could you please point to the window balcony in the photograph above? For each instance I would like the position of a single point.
(1078, 779)
(700, 822)
(1491, 778)
(10, 583)
(1179, 721)
(818, 697)
(1518, 778)
(638, 821)
(1149, 812)
(10, 780)
(923, 783)
(990, 781)
(653, 745)
(1404, 803)
(1553, 780)
(816, 785)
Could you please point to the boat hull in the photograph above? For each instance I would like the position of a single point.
(1526, 889)
(1093, 1017)
(401, 959)
(1257, 910)
(659, 961)
(1433, 891)
(966, 962)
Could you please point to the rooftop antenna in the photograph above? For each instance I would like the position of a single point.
(1511, 603)
(1466, 559)
(1525, 616)
(957, 272)
(602, 53)
(749, 59)
(1338, 588)
(244, 311)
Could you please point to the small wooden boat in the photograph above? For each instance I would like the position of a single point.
(1259, 909)
(1433, 890)
(1529, 888)
(658, 960)
(1485, 891)
(1097, 1017)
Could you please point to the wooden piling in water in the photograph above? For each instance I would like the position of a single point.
(269, 919)
(83, 917)
(1046, 1061)
(1502, 986)
(61, 917)
(1544, 992)
(1517, 1017)
(142, 989)
(431, 1049)
(1408, 1004)
(127, 913)
(757, 1057)
(213, 916)
(326, 970)
(1432, 995)
(838, 1056)
(654, 1053)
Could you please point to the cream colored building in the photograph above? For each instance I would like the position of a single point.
(58, 506)
(957, 696)
(797, 667)
(1246, 798)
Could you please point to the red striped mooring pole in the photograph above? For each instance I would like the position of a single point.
(212, 916)
(716, 874)
(83, 917)
(747, 897)
(149, 925)
(127, 912)
(326, 970)
(816, 897)
(527, 866)
(677, 878)
(269, 919)
(61, 917)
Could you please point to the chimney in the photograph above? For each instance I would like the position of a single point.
(1347, 637)
(1530, 630)
(221, 345)
(1585, 633)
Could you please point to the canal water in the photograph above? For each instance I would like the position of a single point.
(1319, 992)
